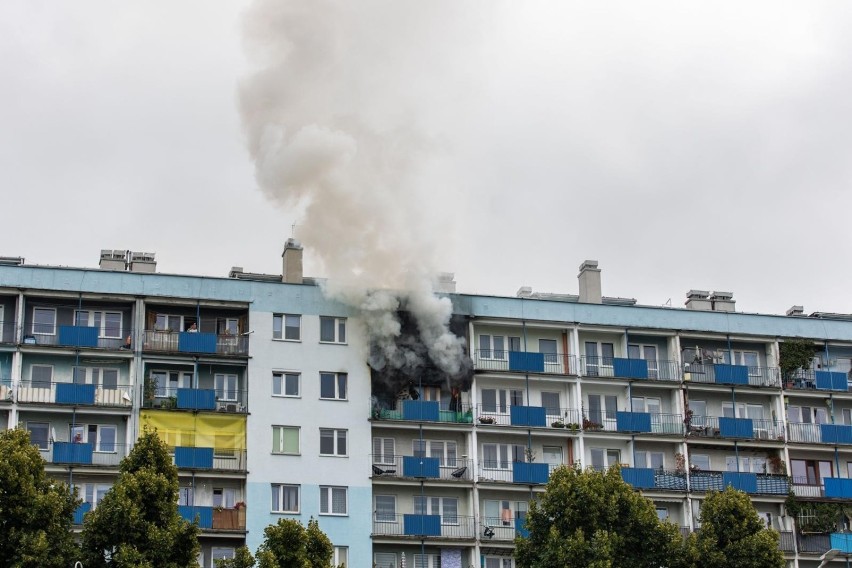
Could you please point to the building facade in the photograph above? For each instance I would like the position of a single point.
(261, 387)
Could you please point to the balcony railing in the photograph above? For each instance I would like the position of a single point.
(543, 417)
(78, 336)
(500, 529)
(72, 453)
(732, 375)
(425, 411)
(813, 543)
(515, 472)
(429, 526)
(195, 342)
(623, 368)
(228, 459)
(753, 483)
(214, 518)
(839, 434)
(401, 467)
(648, 478)
(80, 513)
(120, 396)
(218, 400)
(525, 362)
(736, 428)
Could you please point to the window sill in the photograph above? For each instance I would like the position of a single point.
(332, 456)
(286, 395)
(334, 514)
(285, 512)
(282, 340)
(335, 399)
(285, 454)
(333, 343)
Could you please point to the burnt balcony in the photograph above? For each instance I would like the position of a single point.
(453, 527)
(631, 369)
(416, 467)
(196, 343)
(424, 411)
(75, 394)
(525, 362)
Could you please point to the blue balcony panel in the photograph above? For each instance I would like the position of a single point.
(521, 528)
(632, 368)
(736, 427)
(205, 515)
(189, 342)
(838, 488)
(422, 525)
(836, 433)
(196, 399)
(70, 393)
(670, 480)
(532, 473)
(731, 374)
(78, 336)
(633, 421)
(842, 542)
(638, 477)
(80, 512)
(67, 452)
(768, 484)
(528, 416)
(413, 466)
(742, 481)
(526, 362)
(420, 410)
(194, 458)
(831, 380)
(706, 481)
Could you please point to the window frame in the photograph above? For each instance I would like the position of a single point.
(47, 438)
(280, 451)
(279, 501)
(337, 560)
(102, 326)
(336, 381)
(283, 377)
(385, 517)
(34, 324)
(328, 502)
(335, 442)
(221, 393)
(283, 331)
(338, 325)
(40, 382)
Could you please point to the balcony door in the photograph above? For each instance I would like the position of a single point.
(647, 353)
(599, 358)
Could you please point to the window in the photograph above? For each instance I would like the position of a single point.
(93, 493)
(501, 456)
(225, 497)
(810, 472)
(285, 439)
(168, 322)
(101, 376)
(385, 508)
(185, 496)
(341, 556)
(663, 513)
(333, 500)
(102, 437)
(39, 434)
(385, 560)
(44, 321)
(427, 561)
(445, 451)
(332, 330)
(446, 507)
(221, 553)
(285, 384)
(499, 562)
(599, 361)
(166, 383)
(646, 404)
(492, 347)
(752, 465)
(600, 413)
(699, 461)
(41, 376)
(107, 323)
(499, 400)
(807, 415)
(699, 412)
(287, 327)
(226, 387)
(550, 402)
(654, 460)
(332, 442)
(649, 354)
(333, 386)
(548, 348)
(228, 326)
(285, 498)
(748, 358)
(603, 458)
(383, 451)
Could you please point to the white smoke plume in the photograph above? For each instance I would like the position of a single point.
(332, 116)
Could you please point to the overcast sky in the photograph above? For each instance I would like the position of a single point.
(682, 145)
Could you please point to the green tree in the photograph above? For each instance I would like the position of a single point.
(242, 559)
(732, 535)
(594, 519)
(35, 511)
(137, 522)
(288, 544)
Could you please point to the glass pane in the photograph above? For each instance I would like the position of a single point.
(291, 440)
(292, 327)
(499, 349)
(327, 442)
(292, 384)
(341, 442)
(514, 344)
(277, 323)
(341, 385)
(107, 439)
(489, 400)
(550, 402)
(547, 346)
(112, 324)
(326, 329)
(633, 352)
(338, 500)
(109, 379)
(341, 331)
(326, 385)
(276, 383)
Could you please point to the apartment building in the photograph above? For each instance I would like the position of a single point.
(260, 386)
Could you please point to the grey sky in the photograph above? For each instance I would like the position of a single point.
(683, 145)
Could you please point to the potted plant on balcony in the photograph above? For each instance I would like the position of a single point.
(573, 426)
(486, 420)
(778, 465)
(794, 355)
(680, 463)
(149, 391)
(558, 423)
(240, 506)
(591, 424)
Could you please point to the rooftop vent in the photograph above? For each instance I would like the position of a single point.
(698, 300)
(12, 260)
(524, 292)
(446, 283)
(235, 272)
(723, 301)
(142, 262)
(113, 259)
(796, 311)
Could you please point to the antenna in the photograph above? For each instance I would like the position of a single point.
(293, 230)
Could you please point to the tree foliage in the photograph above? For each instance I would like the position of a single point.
(795, 354)
(242, 559)
(732, 535)
(288, 544)
(594, 519)
(35, 511)
(137, 522)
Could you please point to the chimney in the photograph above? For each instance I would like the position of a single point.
(446, 283)
(590, 282)
(113, 259)
(698, 300)
(292, 256)
(235, 272)
(796, 311)
(142, 262)
(524, 292)
(723, 301)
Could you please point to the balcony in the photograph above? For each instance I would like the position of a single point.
(647, 478)
(817, 380)
(196, 343)
(753, 483)
(453, 527)
(214, 518)
(835, 434)
(838, 488)
(813, 543)
(525, 362)
(732, 375)
(401, 467)
(528, 416)
(193, 512)
(498, 529)
(118, 396)
(70, 453)
(215, 400)
(736, 428)
(227, 459)
(515, 472)
(425, 411)
(623, 368)
(841, 542)
(77, 336)
(80, 513)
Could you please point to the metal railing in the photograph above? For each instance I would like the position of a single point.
(624, 368)
(400, 467)
(227, 459)
(802, 487)
(96, 454)
(501, 415)
(420, 526)
(805, 433)
(77, 394)
(763, 483)
(218, 400)
(195, 342)
(786, 542)
(755, 376)
(813, 543)
(525, 362)
(456, 413)
(76, 336)
(762, 429)
(500, 529)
